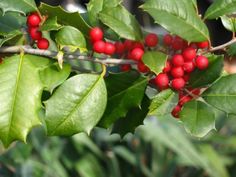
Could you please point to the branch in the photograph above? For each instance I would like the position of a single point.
(220, 47)
(67, 56)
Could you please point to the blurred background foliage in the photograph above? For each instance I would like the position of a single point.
(161, 147)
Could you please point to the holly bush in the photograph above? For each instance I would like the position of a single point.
(69, 72)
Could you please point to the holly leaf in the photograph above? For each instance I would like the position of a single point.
(133, 119)
(155, 61)
(70, 37)
(198, 118)
(222, 94)
(178, 17)
(76, 106)
(96, 6)
(9, 37)
(229, 23)
(65, 18)
(23, 6)
(50, 24)
(206, 77)
(232, 50)
(121, 22)
(219, 8)
(52, 76)
(20, 96)
(125, 91)
(163, 103)
(11, 23)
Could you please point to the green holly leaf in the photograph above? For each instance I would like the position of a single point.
(20, 96)
(222, 94)
(11, 23)
(229, 23)
(155, 61)
(9, 37)
(206, 77)
(163, 103)
(178, 17)
(76, 106)
(22, 6)
(50, 24)
(65, 18)
(121, 22)
(52, 76)
(125, 91)
(198, 118)
(96, 6)
(219, 8)
(70, 37)
(232, 50)
(133, 119)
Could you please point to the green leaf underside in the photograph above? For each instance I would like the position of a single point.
(22, 6)
(71, 37)
(229, 23)
(52, 76)
(163, 103)
(20, 96)
(121, 22)
(125, 91)
(133, 119)
(206, 77)
(155, 61)
(222, 94)
(9, 37)
(220, 8)
(178, 17)
(65, 18)
(96, 6)
(50, 24)
(76, 106)
(198, 118)
(11, 23)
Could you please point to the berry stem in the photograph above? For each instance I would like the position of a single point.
(69, 56)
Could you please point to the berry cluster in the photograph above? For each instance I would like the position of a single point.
(183, 59)
(33, 23)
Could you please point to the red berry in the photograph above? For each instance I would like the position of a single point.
(162, 81)
(167, 39)
(184, 100)
(202, 62)
(167, 67)
(136, 54)
(109, 48)
(178, 83)
(186, 77)
(142, 67)
(177, 60)
(177, 43)
(177, 72)
(33, 20)
(195, 91)
(203, 45)
(189, 67)
(99, 46)
(128, 44)
(96, 34)
(137, 45)
(151, 40)
(120, 48)
(176, 110)
(125, 67)
(43, 44)
(189, 54)
(34, 33)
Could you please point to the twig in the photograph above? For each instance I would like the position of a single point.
(223, 46)
(67, 56)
